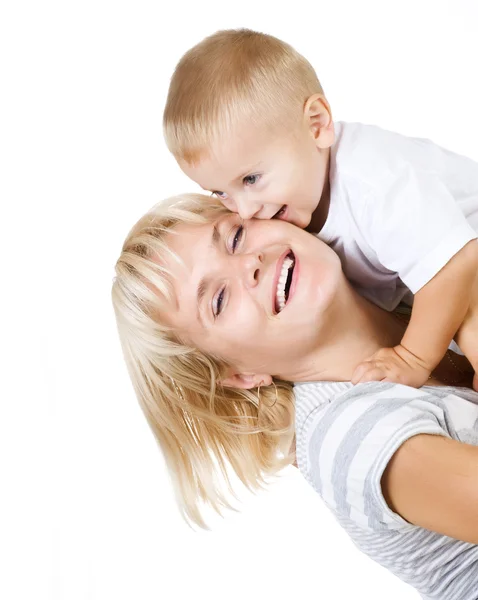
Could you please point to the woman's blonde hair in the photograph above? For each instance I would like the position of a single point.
(201, 425)
(234, 77)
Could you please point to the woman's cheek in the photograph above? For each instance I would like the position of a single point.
(245, 316)
(248, 323)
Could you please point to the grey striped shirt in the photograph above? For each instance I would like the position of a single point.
(345, 438)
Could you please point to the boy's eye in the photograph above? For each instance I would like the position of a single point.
(221, 195)
(251, 179)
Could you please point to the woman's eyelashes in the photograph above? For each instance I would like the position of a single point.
(235, 237)
(221, 195)
(218, 302)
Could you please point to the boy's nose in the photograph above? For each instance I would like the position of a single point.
(248, 210)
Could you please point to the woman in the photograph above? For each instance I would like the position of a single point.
(216, 316)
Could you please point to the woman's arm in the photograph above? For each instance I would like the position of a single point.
(432, 481)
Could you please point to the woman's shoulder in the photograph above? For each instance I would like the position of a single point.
(346, 436)
(333, 398)
(313, 395)
(384, 406)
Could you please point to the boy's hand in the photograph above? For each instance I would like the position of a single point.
(397, 364)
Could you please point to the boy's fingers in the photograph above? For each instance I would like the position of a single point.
(359, 371)
(373, 374)
(368, 371)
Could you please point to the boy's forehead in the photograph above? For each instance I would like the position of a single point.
(227, 160)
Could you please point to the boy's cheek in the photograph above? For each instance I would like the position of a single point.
(299, 220)
(291, 216)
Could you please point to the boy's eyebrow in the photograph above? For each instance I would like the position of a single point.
(248, 171)
(205, 281)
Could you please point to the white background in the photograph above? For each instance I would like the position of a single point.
(86, 508)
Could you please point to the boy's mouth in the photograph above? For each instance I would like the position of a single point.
(283, 282)
(279, 214)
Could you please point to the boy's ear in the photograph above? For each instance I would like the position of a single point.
(319, 120)
(245, 381)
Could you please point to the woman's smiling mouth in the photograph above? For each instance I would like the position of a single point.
(283, 280)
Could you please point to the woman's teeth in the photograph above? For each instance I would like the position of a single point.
(280, 294)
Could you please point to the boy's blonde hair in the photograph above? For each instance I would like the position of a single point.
(201, 426)
(234, 77)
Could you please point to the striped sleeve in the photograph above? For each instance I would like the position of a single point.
(347, 445)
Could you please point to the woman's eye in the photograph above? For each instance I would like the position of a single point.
(221, 195)
(217, 308)
(251, 179)
(237, 237)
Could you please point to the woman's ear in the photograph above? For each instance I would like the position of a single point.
(246, 381)
(319, 120)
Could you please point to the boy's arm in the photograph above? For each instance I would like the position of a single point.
(467, 336)
(439, 309)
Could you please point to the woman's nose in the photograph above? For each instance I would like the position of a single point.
(251, 268)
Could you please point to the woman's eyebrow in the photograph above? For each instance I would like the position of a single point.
(216, 236)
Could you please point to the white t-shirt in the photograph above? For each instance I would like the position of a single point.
(400, 209)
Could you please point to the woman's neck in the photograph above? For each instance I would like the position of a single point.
(359, 329)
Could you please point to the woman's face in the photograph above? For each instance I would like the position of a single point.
(258, 295)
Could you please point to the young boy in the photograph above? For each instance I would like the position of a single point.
(247, 119)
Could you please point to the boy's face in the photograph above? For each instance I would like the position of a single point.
(257, 174)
